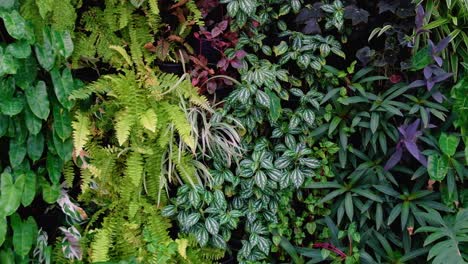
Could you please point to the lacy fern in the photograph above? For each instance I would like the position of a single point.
(131, 144)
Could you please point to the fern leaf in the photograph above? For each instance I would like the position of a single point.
(100, 246)
(123, 53)
(153, 4)
(123, 125)
(80, 132)
(149, 120)
(69, 173)
(134, 168)
(180, 122)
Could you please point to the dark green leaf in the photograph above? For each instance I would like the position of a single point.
(54, 168)
(421, 59)
(33, 123)
(16, 26)
(62, 123)
(50, 193)
(63, 86)
(17, 152)
(38, 100)
(275, 105)
(35, 146)
(448, 144)
(19, 49)
(10, 198)
(437, 167)
(23, 234)
(3, 229)
(12, 107)
(29, 191)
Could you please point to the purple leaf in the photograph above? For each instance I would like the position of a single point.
(385, 5)
(412, 130)
(430, 84)
(442, 77)
(427, 72)
(357, 15)
(413, 149)
(438, 97)
(442, 45)
(311, 27)
(240, 54)
(438, 60)
(402, 130)
(417, 83)
(394, 159)
(419, 21)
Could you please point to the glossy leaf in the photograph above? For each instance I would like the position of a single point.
(448, 144)
(63, 86)
(38, 100)
(437, 167)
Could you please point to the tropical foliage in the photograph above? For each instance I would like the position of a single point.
(233, 131)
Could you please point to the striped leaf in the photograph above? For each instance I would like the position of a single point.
(212, 226)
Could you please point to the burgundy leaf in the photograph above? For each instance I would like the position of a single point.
(236, 64)
(395, 78)
(240, 54)
(216, 31)
(394, 159)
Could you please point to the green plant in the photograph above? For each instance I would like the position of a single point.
(454, 231)
(35, 126)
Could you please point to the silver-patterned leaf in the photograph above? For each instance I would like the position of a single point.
(191, 220)
(297, 178)
(260, 179)
(212, 226)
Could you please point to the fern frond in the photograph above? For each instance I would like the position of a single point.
(154, 176)
(196, 14)
(149, 120)
(123, 124)
(101, 245)
(134, 169)
(153, 4)
(186, 169)
(100, 86)
(80, 132)
(180, 121)
(69, 173)
(123, 53)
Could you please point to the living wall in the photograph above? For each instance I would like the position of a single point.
(233, 131)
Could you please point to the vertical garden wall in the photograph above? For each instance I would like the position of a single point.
(233, 131)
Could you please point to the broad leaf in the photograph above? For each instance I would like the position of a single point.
(38, 100)
(437, 167)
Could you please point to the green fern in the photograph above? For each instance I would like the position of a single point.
(101, 245)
